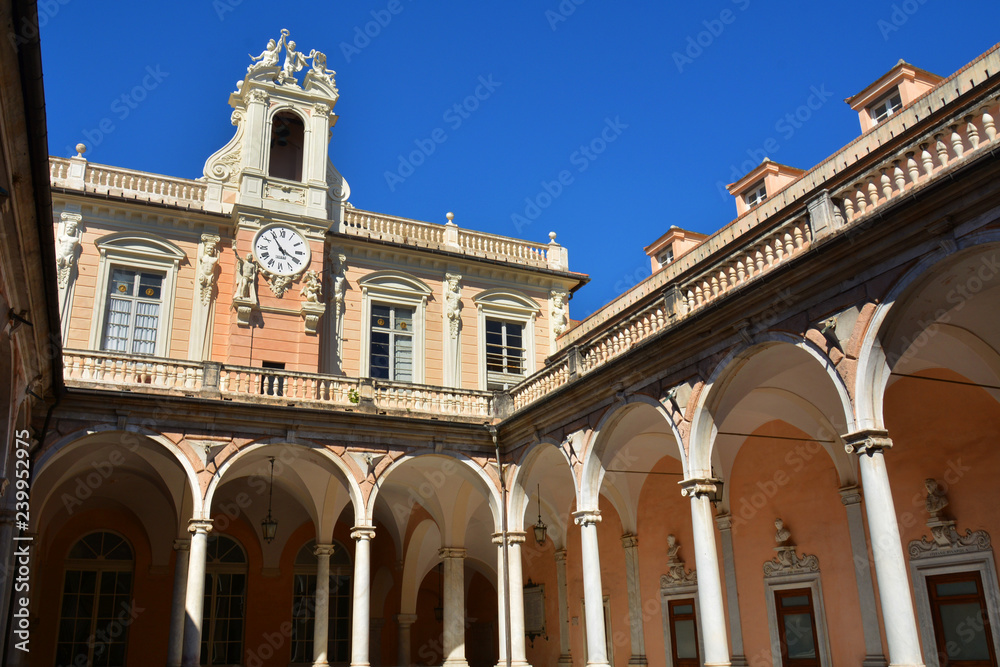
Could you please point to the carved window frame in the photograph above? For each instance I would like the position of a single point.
(782, 582)
(952, 563)
(668, 594)
(508, 306)
(307, 148)
(395, 288)
(129, 250)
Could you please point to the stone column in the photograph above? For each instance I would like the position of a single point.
(175, 645)
(194, 601)
(321, 615)
(565, 657)
(362, 594)
(890, 564)
(404, 621)
(453, 637)
(713, 613)
(518, 653)
(501, 609)
(851, 498)
(593, 589)
(631, 544)
(724, 522)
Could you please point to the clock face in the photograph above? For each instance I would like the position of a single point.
(281, 250)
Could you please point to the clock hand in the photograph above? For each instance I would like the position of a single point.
(278, 243)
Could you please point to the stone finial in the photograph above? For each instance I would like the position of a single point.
(552, 237)
(451, 217)
(81, 149)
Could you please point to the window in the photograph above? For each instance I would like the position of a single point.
(96, 602)
(391, 347)
(683, 632)
(961, 622)
(272, 385)
(885, 107)
(287, 141)
(304, 605)
(666, 257)
(755, 195)
(504, 354)
(797, 628)
(225, 602)
(506, 331)
(134, 302)
(136, 276)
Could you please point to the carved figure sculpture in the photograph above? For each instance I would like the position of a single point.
(936, 500)
(206, 268)
(294, 61)
(319, 69)
(246, 279)
(672, 549)
(312, 287)
(559, 319)
(782, 535)
(267, 58)
(66, 245)
(453, 303)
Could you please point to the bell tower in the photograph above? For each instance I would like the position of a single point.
(278, 162)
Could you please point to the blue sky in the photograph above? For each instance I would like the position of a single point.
(646, 108)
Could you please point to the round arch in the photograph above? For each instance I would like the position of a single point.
(559, 497)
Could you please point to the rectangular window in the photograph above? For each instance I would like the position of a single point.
(92, 604)
(222, 627)
(504, 354)
(683, 632)
(391, 347)
(797, 628)
(755, 195)
(133, 314)
(961, 623)
(885, 107)
(304, 614)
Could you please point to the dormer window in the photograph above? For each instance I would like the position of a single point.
(287, 140)
(886, 106)
(755, 195)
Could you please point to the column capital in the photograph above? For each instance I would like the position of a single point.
(587, 517)
(697, 487)
(724, 521)
(182, 544)
(560, 555)
(363, 532)
(850, 495)
(323, 550)
(203, 526)
(630, 541)
(516, 537)
(452, 552)
(868, 441)
(406, 620)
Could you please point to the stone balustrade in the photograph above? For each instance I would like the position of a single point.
(108, 370)
(789, 223)
(101, 179)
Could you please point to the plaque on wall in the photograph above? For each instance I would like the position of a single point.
(534, 611)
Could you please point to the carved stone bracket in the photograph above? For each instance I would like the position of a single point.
(244, 311)
(677, 573)
(311, 312)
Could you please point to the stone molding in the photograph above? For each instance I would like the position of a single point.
(587, 517)
(452, 552)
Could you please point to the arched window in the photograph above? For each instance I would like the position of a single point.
(96, 602)
(287, 141)
(304, 605)
(225, 602)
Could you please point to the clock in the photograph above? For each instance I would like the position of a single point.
(281, 250)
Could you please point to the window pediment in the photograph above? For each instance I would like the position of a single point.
(506, 300)
(140, 245)
(395, 282)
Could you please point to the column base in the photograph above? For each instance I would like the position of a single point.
(461, 662)
(874, 661)
(565, 659)
(741, 661)
(638, 660)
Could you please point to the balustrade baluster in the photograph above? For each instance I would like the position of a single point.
(988, 125)
(911, 168)
(956, 142)
(942, 149)
(886, 183)
(972, 132)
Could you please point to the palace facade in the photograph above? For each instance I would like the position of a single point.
(283, 430)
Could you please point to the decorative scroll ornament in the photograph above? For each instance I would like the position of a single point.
(66, 245)
(207, 261)
(788, 561)
(677, 574)
(453, 303)
(945, 538)
(560, 321)
(226, 164)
